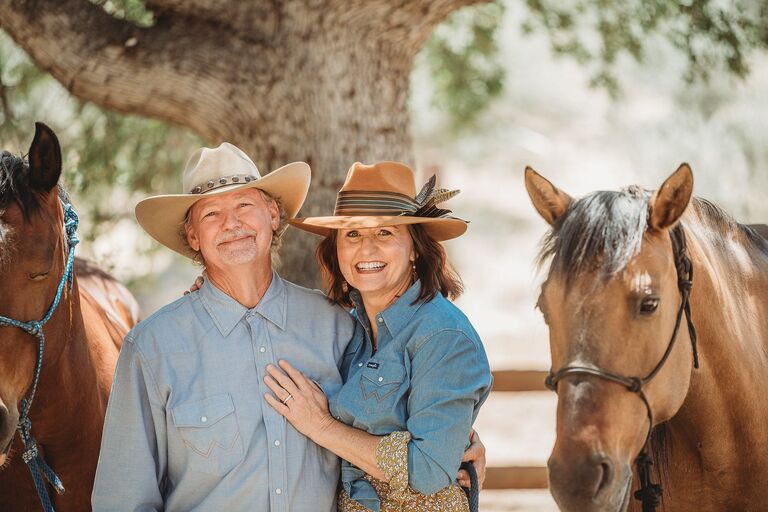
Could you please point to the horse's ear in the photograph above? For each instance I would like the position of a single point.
(549, 201)
(44, 159)
(669, 202)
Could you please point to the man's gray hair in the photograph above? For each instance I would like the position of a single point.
(277, 234)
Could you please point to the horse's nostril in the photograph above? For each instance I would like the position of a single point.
(605, 475)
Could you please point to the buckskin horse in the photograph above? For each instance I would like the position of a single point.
(658, 323)
(81, 320)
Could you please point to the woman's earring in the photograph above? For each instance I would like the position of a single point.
(413, 271)
(344, 287)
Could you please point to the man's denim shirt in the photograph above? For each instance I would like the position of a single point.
(187, 427)
(429, 376)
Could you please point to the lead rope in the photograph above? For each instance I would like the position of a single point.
(40, 469)
(473, 493)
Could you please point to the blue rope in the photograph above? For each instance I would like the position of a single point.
(32, 457)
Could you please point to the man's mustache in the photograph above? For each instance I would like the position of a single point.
(233, 235)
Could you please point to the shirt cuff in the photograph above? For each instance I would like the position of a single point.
(392, 460)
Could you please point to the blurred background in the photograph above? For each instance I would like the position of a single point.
(592, 94)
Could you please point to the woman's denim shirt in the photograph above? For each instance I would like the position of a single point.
(429, 376)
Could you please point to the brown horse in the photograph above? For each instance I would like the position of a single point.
(82, 337)
(616, 289)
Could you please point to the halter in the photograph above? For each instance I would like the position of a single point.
(31, 455)
(649, 493)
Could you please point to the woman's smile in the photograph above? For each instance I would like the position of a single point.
(370, 267)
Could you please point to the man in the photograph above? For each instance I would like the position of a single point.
(186, 425)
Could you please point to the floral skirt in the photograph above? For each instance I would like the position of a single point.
(449, 499)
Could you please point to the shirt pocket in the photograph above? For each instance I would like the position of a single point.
(208, 428)
(379, 385)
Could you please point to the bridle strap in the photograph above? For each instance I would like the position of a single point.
(649, 492)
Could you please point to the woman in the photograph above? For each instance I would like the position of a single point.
(416, 373)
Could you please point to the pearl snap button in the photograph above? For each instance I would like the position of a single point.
(278, 491)
(277, 443)
(262, 350)
(381, 320)
(381, 379)
(359, 364)
(204, 418)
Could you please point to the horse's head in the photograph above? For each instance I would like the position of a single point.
(32, 260)
(611, 301)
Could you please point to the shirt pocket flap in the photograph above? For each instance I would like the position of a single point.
(381, 382)
(203, 413)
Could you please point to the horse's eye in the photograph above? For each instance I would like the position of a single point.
(649, 305)
(39, 276)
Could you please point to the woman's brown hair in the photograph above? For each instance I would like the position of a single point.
(432, 268)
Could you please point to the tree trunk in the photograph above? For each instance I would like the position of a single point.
(323, 81)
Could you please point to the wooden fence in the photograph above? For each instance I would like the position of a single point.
(517, 477)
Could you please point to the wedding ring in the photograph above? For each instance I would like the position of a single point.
(285, 400)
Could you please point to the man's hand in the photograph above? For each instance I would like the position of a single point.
(197, 284)
(476, 455)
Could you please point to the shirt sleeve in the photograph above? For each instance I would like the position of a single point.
(133, 456)
(450, 379)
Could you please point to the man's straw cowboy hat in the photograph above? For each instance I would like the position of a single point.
(212, 171)
(384, 194)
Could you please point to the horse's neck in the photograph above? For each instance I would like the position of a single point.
(722, 423)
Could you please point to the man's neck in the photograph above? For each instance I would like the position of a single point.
(247, 284)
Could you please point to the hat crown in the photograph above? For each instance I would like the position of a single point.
(212, 164)
(381, 177)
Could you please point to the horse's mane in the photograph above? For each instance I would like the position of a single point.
(604, 230)
(15, 185)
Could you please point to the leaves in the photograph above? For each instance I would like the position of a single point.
(713, 35)
(462, 59)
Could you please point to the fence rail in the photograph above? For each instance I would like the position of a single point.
(517, 477)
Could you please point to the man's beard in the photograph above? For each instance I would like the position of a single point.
(242, 251)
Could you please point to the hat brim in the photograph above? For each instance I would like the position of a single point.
(162, 216)
(439, 228)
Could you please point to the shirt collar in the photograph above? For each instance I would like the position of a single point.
(226, 312)
(398, 314)
(274, 303)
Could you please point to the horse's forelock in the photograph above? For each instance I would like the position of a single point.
(601, 231)
(15, 186)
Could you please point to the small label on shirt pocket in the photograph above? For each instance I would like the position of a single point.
(381, 382)
(208, 428)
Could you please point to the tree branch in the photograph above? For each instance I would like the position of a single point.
(177, 71)
(261, 18)
(407, 24)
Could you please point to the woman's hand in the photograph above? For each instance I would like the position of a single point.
(475, 454)
(197, 284)
(299, 399)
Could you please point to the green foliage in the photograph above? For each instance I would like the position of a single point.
(462, 58)
(109, 158)
(713, 35)
(130, 10)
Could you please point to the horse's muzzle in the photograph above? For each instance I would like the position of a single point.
(589, 482)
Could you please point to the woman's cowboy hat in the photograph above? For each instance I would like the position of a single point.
(212, 171)
(384, 194)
